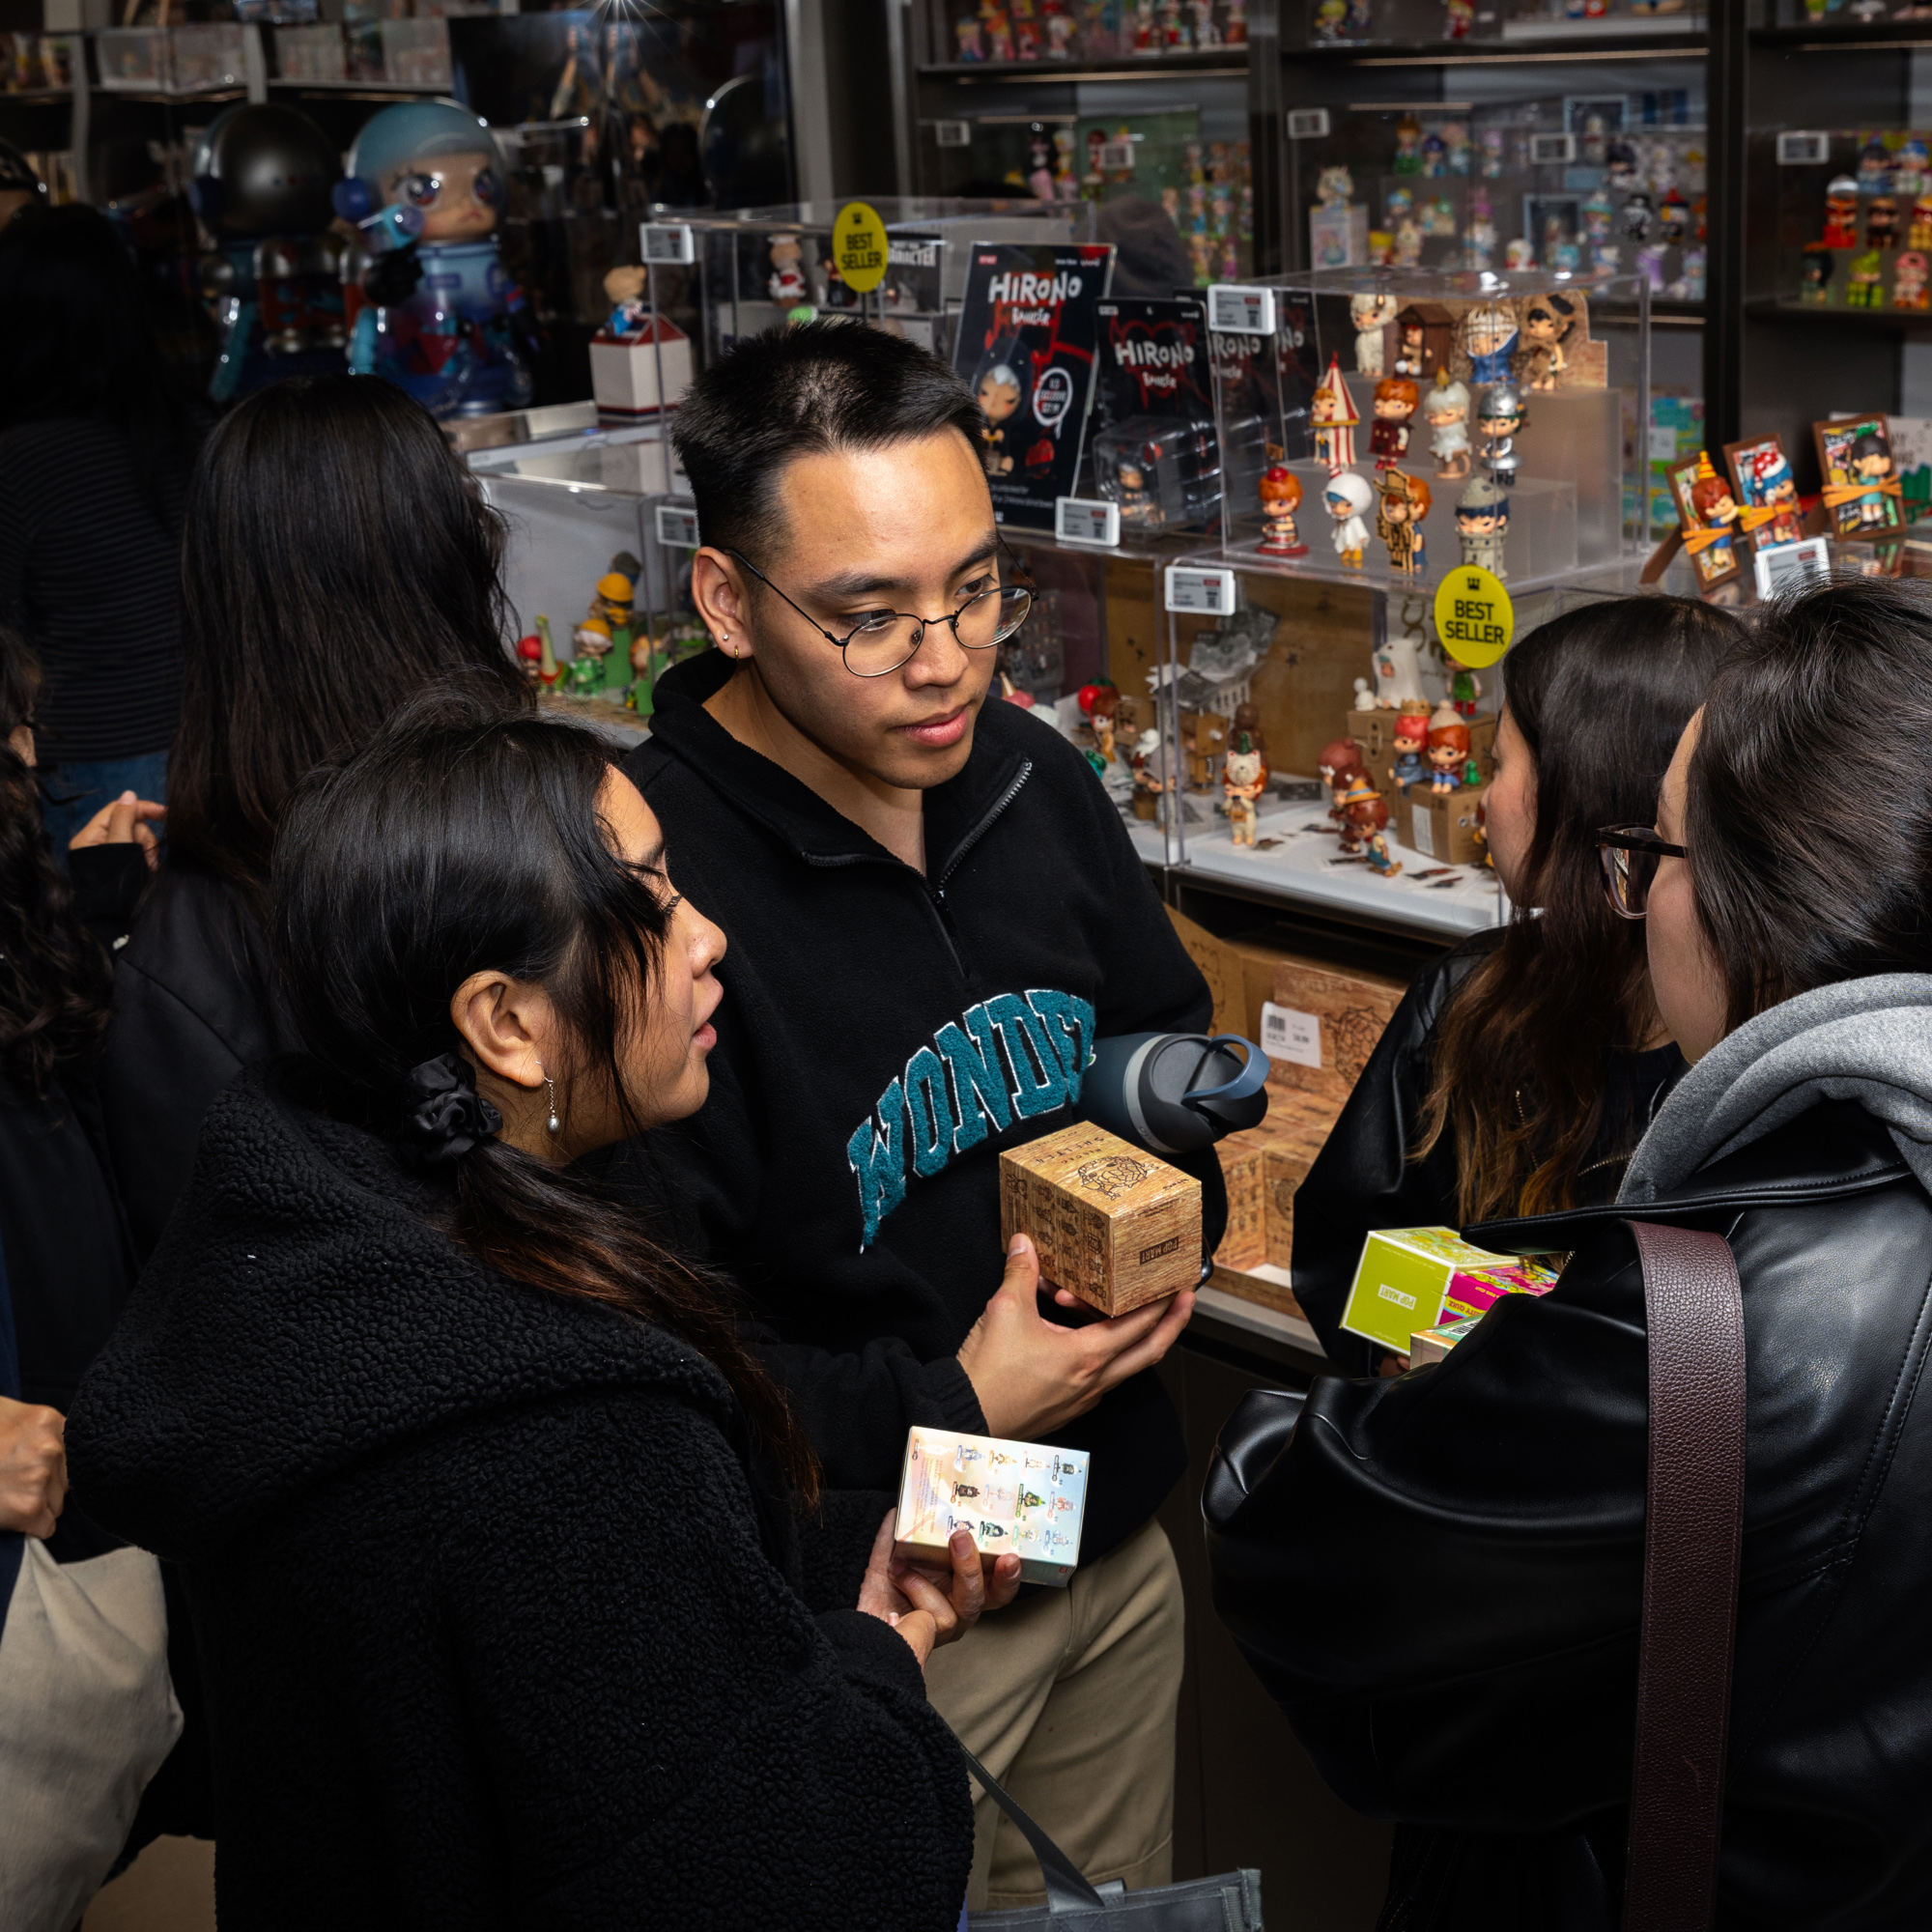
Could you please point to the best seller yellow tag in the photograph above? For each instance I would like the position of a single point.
(859, 247)
(1473, 615)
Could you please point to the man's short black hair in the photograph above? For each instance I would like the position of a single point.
(821, 386)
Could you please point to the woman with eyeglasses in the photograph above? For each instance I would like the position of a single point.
(1520, 1068)
(1450, 1616)
(517, 1598)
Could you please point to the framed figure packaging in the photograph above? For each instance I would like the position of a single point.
(1862, 495)
(1707, 515)
(1765, 490)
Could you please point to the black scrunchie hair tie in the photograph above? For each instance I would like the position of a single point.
(449, 1116)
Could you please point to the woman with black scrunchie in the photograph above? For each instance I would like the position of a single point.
(518, 1600)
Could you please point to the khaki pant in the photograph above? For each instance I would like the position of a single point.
(1068, 1699)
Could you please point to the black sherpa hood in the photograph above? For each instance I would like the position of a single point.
(297, 1318)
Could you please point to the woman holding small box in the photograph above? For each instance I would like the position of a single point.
(495, 1530)
(1520, 1068)
(1449, 1607)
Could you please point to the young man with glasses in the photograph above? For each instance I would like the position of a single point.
(933, 911)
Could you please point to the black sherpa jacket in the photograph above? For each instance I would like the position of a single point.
(883, 1036)
(496, 1632)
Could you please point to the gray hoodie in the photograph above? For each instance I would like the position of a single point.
(1868, 1041)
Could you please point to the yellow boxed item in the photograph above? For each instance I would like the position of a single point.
(1024, 1499)
(1414, 1279)
(1322, 1024)
(1113, 1225)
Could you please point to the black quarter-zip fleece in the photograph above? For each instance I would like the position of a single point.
(883, 1037)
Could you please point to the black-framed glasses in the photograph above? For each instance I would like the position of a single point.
(882, 642)
(1629, 854)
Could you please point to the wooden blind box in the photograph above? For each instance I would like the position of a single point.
(1350, 1007)
(1441, 825)
(1113, 1225)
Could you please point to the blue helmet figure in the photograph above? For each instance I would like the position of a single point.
(426, 187)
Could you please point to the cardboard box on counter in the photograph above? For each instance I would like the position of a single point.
(1114, 1226)
(1441, 825)
(1411, 1279)
(1025, 1500)
(1322, 1023)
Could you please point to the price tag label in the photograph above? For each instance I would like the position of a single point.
(1087, 520)
(1790, 566)
(1803, 148)
(952, 133)
(1552, 148)
(1236, 310)
(677, 527)
(1290, 1035)
(667, 242)
(1207, 592)
(1308, 124)
(859, 247)
(1473, 617)
(1116, 157)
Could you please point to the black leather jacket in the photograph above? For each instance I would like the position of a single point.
(1364, 1178)
(1438, 1576)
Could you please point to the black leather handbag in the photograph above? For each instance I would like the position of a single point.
(1693, 1528)
(1230, 1903)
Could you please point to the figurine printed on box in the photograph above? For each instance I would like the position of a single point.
(1395, 405)
(1707, 518)
(263, 176)
(1862, 493)
(1348, 498)
(1766, 492)
(1333, 414)
(1244, 777)
(1448, 412)
(425, 183)
(1498, 417)
(1404, 502)
(1280, 492)
(1482, 526)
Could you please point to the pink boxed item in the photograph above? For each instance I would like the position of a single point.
(1024, 1499)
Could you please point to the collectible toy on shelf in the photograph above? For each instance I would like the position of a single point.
(1464, 689)
(1707, 514)
(1448, 412)
(1765, 491)
(1404, 502)
(1395, 403)
(603, 640)
(1498, 417)
(1410, 743)
(1490, 338)
(1919, 234)
(1368, 819)
(1861, 488)
(1280, 492)
(1448, 749)
(1864, 281)
(1371, 315)
(1882, 222)
(1426, 338)
(1547, 323)
(1348, 498)
(1338, 764)
(1908, 281)
(1815, 271)
(1355, 797)
(1244, 777)
(1841, 214)
(1482, 526)
(442, 321)
(1335, 418)
(1152, 785)
(263, 174)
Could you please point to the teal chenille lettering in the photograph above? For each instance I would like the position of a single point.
(877, 1156)
(928, 1111)
(978, 1086)
(1069, 1026)
(1040, 1083)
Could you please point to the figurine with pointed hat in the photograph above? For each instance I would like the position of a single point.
(1335, 418)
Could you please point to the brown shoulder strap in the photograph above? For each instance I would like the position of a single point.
(1693, 1531)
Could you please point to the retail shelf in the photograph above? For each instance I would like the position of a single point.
(1879, 320)
(1653, 42)
(1207, 61)
(356, 90)
(161, 96)
(36, 97)
(1819, 36)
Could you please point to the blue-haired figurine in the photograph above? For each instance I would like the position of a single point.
(425, 184)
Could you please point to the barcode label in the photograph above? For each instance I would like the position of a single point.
(1087, 520)
(1240, 311)
(668, 241)
(1290, 1035)
(1788, 566)
(677, 527)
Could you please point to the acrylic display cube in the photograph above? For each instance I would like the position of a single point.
(1163, 473)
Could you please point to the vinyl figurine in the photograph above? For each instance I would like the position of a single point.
(1882, 222)
(1355, 794)
(1243, 778)
(1347, 496)
(1498, 417)
(1151, 780)
(443, 318)
(1815, 271)
(1447, 409)
(1482, 526)
(1448, 753)
(1335, 418)
(1862, 280)
(1395, 405)
(1841, 214)
(1404, 502)
(1371, 316)
(1368, 818)
(1280, 492)
(1767, 493)
(1548, 321)
(1489, 340)
(1908, 281)
(603, 640)
(263, 174)
(1411, 742)
(1707, 516)
(1464, 689)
